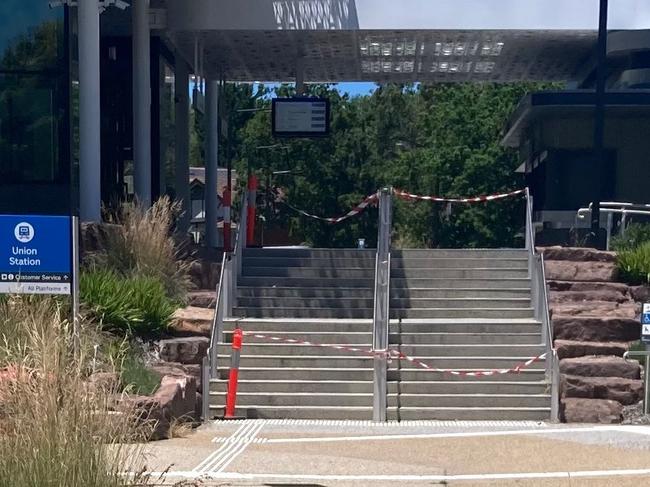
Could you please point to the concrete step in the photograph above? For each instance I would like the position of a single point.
(368, 293)
(458, 263)
(310, 272)
(323, 263)
(306, 292)
(349, 338)
(298, 412)
(464, 350)
(459, 273)
(331, 386)
(300, 325)
(453, 313)
(407, 387)
(459, 253)
(327, 399)
(459, 302)
(311, 253)
(350, 302)
(423, 375)
(304, 282)
(469, 400)
(365, 361)
(468, 413)
(342, 313)
(466, 362)
(296, 350)
(467, 325)
(438, 282)
(296, 373)
(465, 338)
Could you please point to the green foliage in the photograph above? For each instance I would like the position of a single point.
(634, 264)
(440, 139)
(135, 377)
(135, 303)
(635, 235)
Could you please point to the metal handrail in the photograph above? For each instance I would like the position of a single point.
(539, 297)
(623, 209)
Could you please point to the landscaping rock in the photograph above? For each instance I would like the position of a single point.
(596, 309)
(192, 321)
(634, 415)
(185, 350)
(577, 254)
(641, 294)
(581, 286)
(576, 410)
(600, 367)
(587, 297)
(573, 349)
(202, 299)
(593, 329)
(564, 270)
(93, 236)
(625, 391)
(175, 400)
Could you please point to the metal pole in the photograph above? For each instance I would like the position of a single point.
(646, 383)
(89, 112)
(211, 163)
(141, 101)
(599, 119)
(205, 389)
(182, 115)
(75, 286)
(382, 307)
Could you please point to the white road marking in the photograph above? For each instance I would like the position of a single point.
(468, 434)
(218, 453)
(220, 466)
(430, 478)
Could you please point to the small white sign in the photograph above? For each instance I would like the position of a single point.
(646, 308)
(645, 330)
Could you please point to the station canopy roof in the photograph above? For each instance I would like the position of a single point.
(391, 40)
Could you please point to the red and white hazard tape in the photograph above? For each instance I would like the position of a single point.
(353, 212)
(478, 199)
(395, 354)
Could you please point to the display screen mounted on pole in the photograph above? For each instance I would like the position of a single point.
(35, 254)
(301, 117)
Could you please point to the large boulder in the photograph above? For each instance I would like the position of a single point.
(184, 350)
(587, 297)
(578, 410)
(594, 329)
(640, 294)
(192, 321)
(582, 286)
(601, 367)
(625, 391)
(596, 309)
(572, 348)
(577, 254)
(94, 236)
(202, 299)
(565, 270)
(175, 400)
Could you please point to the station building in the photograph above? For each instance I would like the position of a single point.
(95, 96)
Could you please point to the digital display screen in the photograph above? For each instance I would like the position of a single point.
(301, 117)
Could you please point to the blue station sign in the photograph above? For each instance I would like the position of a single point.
(35, 254)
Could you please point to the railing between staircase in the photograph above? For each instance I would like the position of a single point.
(225, 301)
(381, 314)
(540, 305)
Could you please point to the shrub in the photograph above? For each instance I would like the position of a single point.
(136, 304)
(634, 264)
(54, 429)
(143, 244)
(135, 377)
(635, 235)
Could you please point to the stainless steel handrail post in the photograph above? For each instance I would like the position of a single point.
(646, 377)
(381, 315)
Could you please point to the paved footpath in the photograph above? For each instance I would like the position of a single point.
(354, 453)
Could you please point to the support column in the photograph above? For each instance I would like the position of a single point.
(141, 101)
(182, 114)
(89, 112)
(211, 162)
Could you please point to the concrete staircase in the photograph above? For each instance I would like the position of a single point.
(453, 309)
(465, 310)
